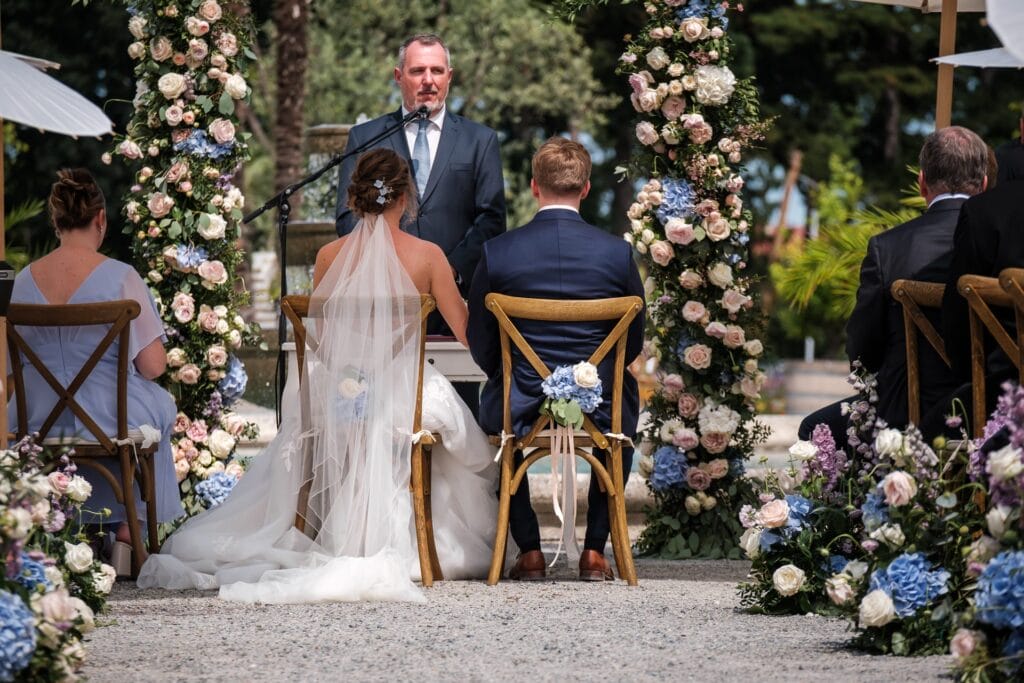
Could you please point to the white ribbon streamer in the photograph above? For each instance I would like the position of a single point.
(418, 436)
(505, 436)
(619, 436)
(563, 476)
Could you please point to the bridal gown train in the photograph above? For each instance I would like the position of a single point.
(363, 354)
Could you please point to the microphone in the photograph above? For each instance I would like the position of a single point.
(422, 113)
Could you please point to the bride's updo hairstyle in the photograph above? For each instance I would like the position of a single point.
(379, 179)
(74, 200)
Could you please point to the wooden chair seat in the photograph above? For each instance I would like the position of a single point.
(296, 309)
(92, 448)
(536, 443)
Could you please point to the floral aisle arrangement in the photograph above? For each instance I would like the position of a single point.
(51, 586)
(184, 212)
(690, 229)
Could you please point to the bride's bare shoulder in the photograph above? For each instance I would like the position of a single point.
(414, 246)
(327, 252)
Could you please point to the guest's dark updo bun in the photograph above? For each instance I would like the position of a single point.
(74, 200)
(379, 179)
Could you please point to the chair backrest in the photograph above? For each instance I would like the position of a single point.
(620, 309)
(116, 314)
(1012, 282)
(912, 295)
(981, 294)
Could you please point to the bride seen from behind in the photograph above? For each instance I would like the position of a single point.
(351, 445)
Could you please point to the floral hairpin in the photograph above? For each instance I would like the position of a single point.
(383, 189)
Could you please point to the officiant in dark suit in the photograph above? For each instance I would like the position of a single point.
(456, 165)
(953, 163)
(557, 255)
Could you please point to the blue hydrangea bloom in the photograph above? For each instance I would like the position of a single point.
(875, 511)
(17, 635)
(677, 200)
(704, 8)
(769, 537)
(561, 384)
(1014, 644)
(198, 144)
(910, 582)
(670, 467)
(348, 409)
(1000, 596)
(835, 564)
(215, 489)
(799, 509)
(685, 342)
(232, 386)
(32, 574)
(189, 256)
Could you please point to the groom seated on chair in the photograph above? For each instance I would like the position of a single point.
(557, 255)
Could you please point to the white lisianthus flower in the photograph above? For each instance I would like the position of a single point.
(715, 84)
(77, 557)
(803, 450)
(215, 228)
(103, 578)
(1005, 464)
(585, 375)
(889, 442)
(876, 609)
(788, 579)
(79, 489)
(996, 520)
(17, 523)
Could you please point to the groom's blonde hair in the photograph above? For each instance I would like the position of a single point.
(561, 167)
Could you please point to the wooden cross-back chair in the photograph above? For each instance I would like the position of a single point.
(622, 310)
(982, 293)
(913, 295)
(1012, 282)
(296, 308)
(93, 446)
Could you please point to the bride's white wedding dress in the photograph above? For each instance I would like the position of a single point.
(356, 431)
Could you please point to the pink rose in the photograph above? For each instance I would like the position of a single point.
(181, 423)
(210, 10)
(750, 387)
(697, 356)
(222, 131)
(197, 431)
(177, 171)
(733, 300)
(965, 642)
(689, 405)
(189, 374)
(673, 107)
(212, 272)
(181, 469)
(734, 336)
(899, 488)
(59, 482)
(188, 118)
(693, 311)
(662, 252)
(160, 48)
(773, 514)
(159, 204)
(233, 424)
(183, 306)
(217, 356)
(717, 468)
(701, 133)
(198, 50)
(208, 319)
(173, 115)
(646, 133)
(706, 207)
(130, 150)
(671, 385)
(685, 438)
(716, 227)
(228, 44)
(697, 479)
(197, 26)
(679, 231)
(640, 81)
(690, 280)
(178, 59)
(734, 184)
(715, 329)
(714, 442)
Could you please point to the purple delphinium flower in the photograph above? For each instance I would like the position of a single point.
(829, 462)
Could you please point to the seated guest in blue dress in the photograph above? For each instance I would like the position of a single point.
(76, 273)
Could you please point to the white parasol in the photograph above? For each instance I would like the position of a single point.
(1006, 17)
(997, 58)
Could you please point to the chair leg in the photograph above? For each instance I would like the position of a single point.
(435, 563)
(504, 503)
(131, 514)
(627, 569)
(148, 468)
(419, 511)
(613, 514)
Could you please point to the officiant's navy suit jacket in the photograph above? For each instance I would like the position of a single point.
(557, 255)
(463, 204)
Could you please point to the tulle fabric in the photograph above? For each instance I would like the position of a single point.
(351, 444)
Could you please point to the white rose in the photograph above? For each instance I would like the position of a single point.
(668, 428)
(1005, 463)
(84, 614)
(889, 442)
(585, 375)
(103, 578)
(221, 444)
(214, 230)
(18, 523)
(235, 86)
(996, 519)
(876, 609)
(137, 27)
(693, 29)
(715, 84)
(79, 489)
(803, 450)
(54, 575)
(720, 275)
(658, 59)
(137, 50)
(692, 506)
(750, 541)
(839, 590)
(788, 579)
(171, 85)
(77, 557)
(754, 347)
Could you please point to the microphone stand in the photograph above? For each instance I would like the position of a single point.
(282, 201)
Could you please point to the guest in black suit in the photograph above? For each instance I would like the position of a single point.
(555, 256)
(1011, 158)
(953, 164)
(456, 165)
(989, 237)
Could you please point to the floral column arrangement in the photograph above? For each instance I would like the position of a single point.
(690, 229)
(183, 213)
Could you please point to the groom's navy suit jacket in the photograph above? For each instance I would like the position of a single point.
(463, 204)
(555, 256)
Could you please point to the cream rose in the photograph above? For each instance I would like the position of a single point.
(876, 609)
(79, 489)
(750, 541)
(220, 443)
(694, 29)
(222, 130)
(197, 26)
(662, 252)
(717, 468)
(692, 506)
(773, 514)
(788, 579)
(694, 311)
(717, 228)
(720, 275)
(678, 231)
(235, 86)
(213, 273)
(754, 347)
(228, 44)
(171, 85)
(137, 27)
(690, 280)
(214, 228)
(585, 375)
(697, 356)
(899, 488)
(77, 557)
(137, 50)
(658, 59)
(189, 373)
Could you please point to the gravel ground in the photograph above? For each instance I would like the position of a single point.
(681, 623)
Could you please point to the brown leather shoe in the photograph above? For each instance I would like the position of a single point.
(593, 567)
(530, 566)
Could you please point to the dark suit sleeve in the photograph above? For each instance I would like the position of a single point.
(482, 330)
(489, 210)
(345, 220)
(635, 287)
(866, 329)
(967, 258)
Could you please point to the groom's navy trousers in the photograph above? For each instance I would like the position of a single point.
(557, 255)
